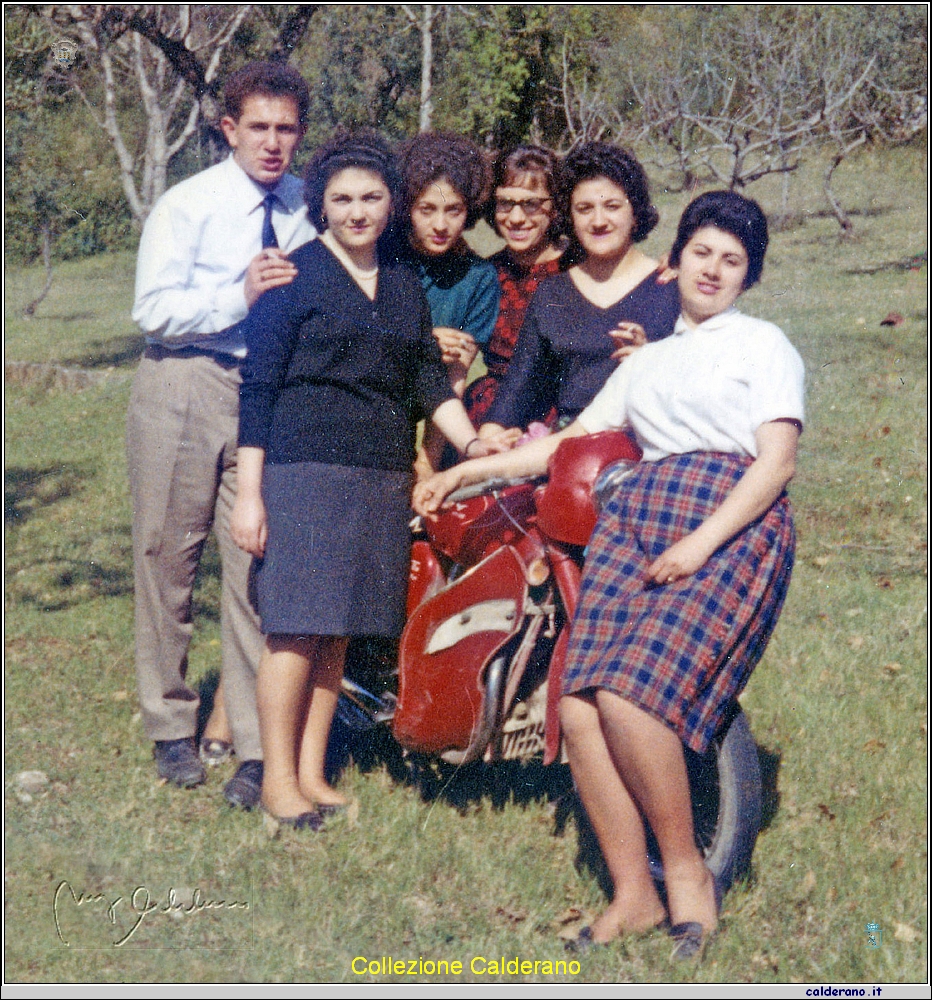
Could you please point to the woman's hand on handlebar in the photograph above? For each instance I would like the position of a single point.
(249, 525)
(429, 494)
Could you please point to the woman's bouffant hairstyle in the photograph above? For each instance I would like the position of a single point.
(732, 213)
(516, 167)
(265, 79)
(431, 156)
(598, 159)
(362, 148)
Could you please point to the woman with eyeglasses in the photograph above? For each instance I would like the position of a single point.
(610, 297)
(523, 211)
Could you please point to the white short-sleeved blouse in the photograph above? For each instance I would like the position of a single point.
(704, 389)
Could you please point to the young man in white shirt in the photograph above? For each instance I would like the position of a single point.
(210, 247)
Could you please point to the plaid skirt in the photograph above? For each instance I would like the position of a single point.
(683, 651)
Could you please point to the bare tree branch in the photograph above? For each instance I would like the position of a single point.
(292, 31)
(170, 55)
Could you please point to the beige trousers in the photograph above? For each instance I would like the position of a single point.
(181, 448)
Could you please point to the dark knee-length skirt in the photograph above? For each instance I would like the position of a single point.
(681, 651)
(337, 557)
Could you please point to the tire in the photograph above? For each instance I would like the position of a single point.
(725, 784)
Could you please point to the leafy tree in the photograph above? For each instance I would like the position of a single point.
(62, 199)
(731, 92)
(148, 76)
(407, 67)
(146, 69)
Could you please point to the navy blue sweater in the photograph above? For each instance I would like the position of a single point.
(333, 377)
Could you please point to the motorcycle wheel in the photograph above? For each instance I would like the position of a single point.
(725, 784)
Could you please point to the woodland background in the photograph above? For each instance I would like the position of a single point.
(819, 113)
(108, 104)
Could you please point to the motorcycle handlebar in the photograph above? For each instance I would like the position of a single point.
(490, 486)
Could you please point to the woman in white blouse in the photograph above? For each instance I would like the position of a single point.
(687, 568)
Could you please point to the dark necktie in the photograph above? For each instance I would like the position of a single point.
(269, 239)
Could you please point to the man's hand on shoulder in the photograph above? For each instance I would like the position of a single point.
(268, 269)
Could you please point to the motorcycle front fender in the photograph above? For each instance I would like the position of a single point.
(445, 650)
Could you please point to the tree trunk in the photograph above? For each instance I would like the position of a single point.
(30, 310)
(427, 68)
(844, 220)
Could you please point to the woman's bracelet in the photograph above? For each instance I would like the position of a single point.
(468, 446)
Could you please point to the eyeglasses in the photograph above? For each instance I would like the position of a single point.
(529, 206)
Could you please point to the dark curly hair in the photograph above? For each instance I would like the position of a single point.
(431, 156)
(362, 148)
(591, 160)
(742, 217)
(515, 167)
(267, 79)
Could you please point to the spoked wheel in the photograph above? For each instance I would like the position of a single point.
(725, 785)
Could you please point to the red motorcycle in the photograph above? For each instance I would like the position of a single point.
(493, 586)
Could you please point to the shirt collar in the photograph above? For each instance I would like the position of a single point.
(253, 194)
(716, 322)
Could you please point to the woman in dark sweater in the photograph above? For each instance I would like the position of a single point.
(341, 366)
(569, 343)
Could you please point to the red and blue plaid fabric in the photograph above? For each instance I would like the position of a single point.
(682, 651)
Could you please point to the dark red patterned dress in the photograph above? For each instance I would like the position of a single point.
(517, 288)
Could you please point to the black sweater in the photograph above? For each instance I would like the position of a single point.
(333, 377)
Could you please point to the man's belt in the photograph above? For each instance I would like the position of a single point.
(157, 352)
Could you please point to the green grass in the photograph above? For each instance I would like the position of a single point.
(490, 866)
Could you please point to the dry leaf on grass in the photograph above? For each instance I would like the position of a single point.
(512, 916)
(569, 915)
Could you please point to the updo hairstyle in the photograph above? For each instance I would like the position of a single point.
(363, 149)
(592, 160)
(732, 213)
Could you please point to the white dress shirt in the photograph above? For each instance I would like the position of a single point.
(703, 389)
(196, 245)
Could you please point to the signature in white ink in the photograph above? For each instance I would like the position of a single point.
(138, 907)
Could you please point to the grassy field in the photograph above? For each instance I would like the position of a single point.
(480, 865)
